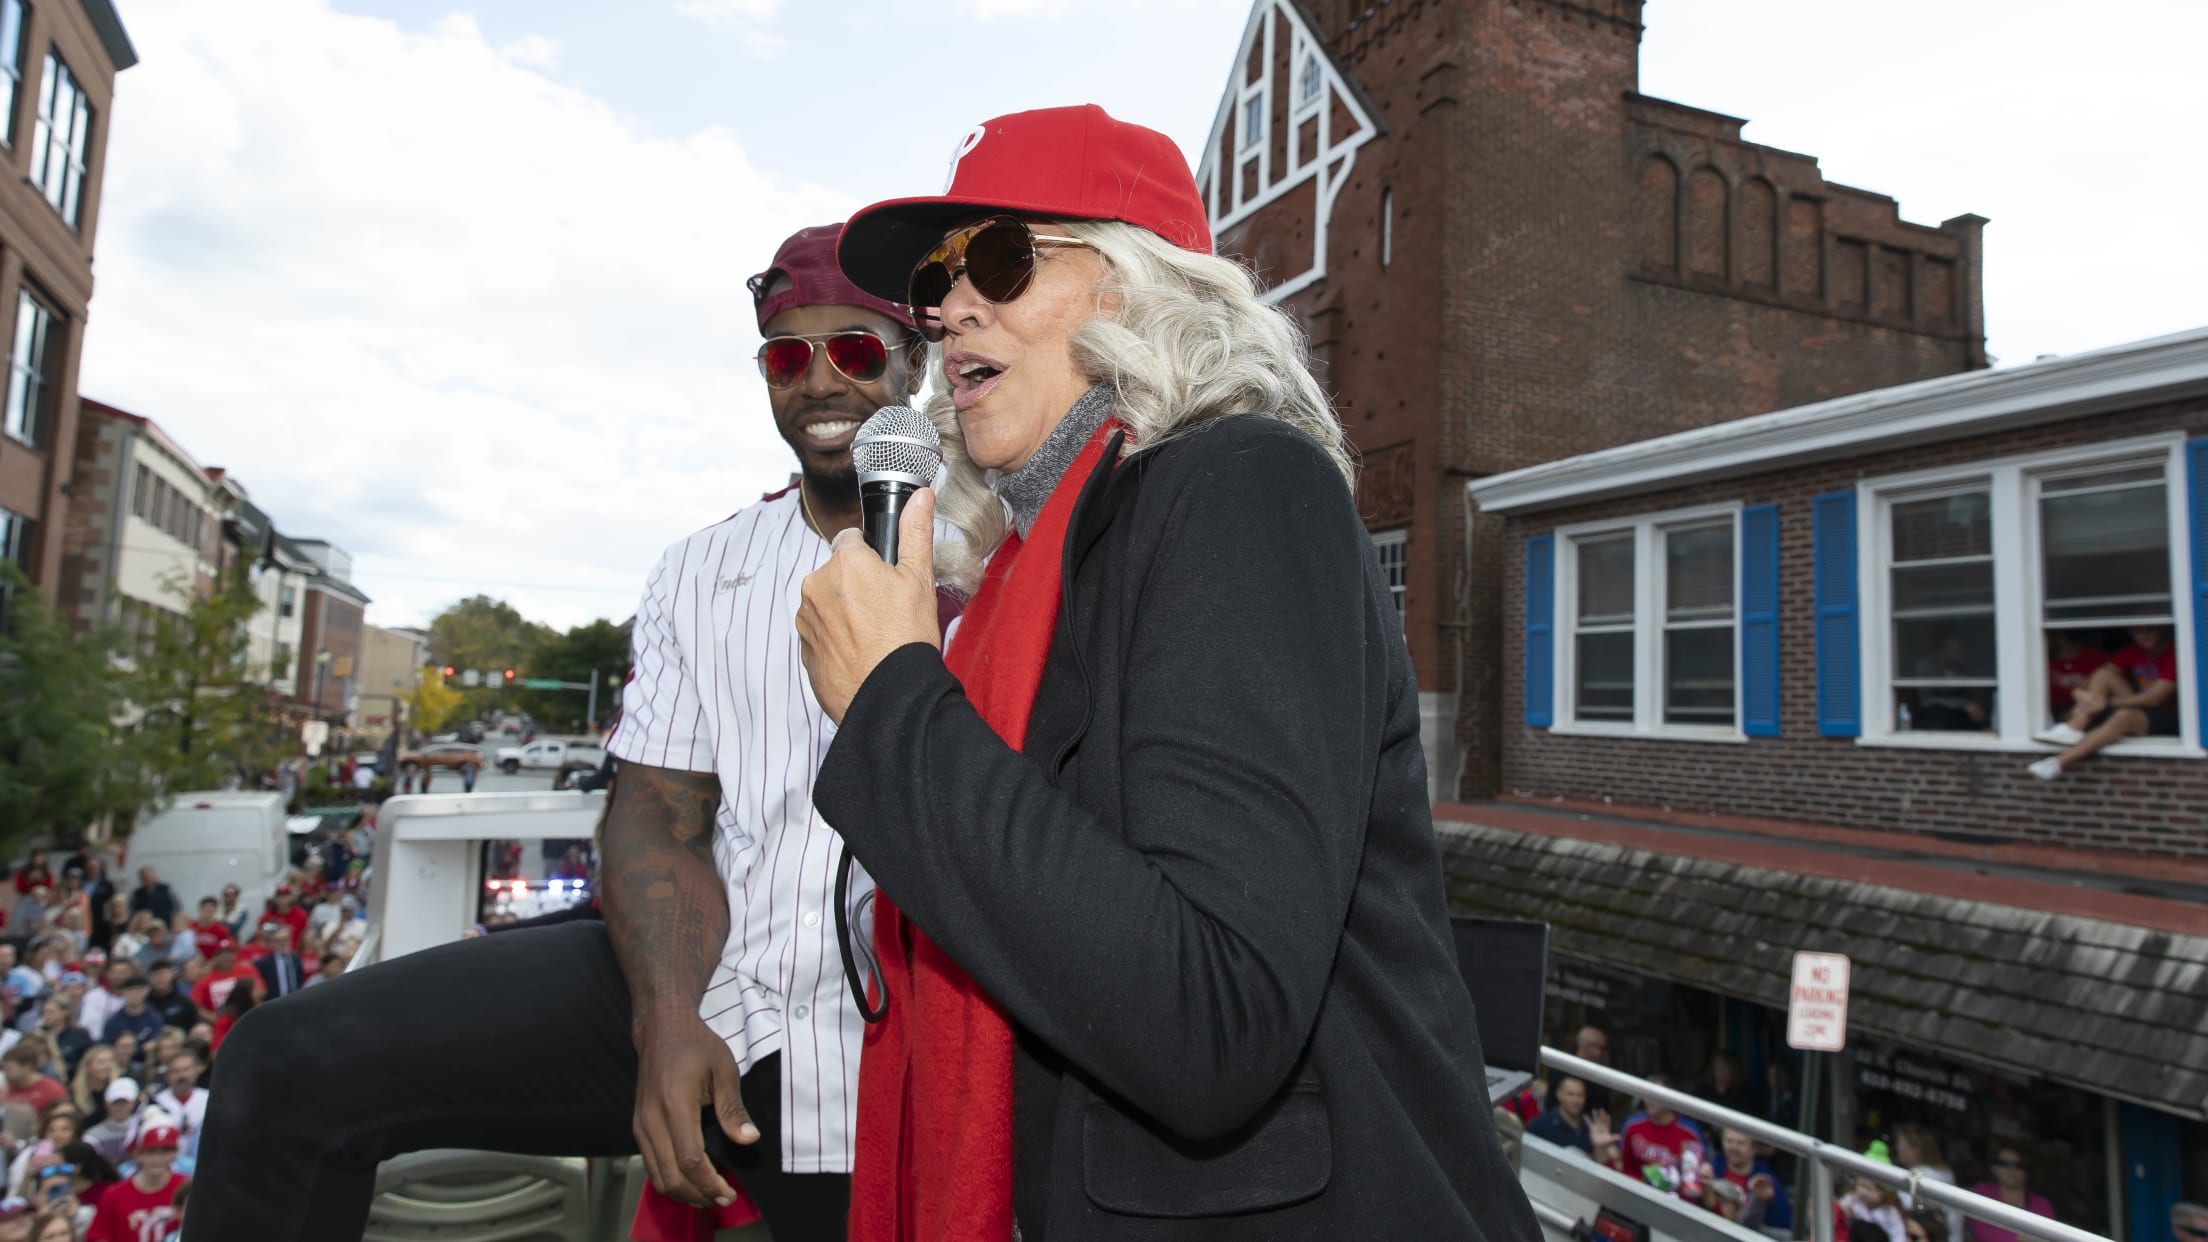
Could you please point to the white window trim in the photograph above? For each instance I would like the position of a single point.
(1397, 537)
(1648, 629)
(2017, 598)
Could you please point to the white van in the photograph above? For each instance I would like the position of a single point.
(205, 840)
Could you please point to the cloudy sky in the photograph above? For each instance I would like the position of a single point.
(458, 283)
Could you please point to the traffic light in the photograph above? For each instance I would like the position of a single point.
(509, 677)
(449, 672)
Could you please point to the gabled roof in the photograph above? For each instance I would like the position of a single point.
(1315, 91)
(2121, 377)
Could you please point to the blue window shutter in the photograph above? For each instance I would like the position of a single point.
(2196, 505)
(1540, 628)
(1839, 646)
(1759, 621)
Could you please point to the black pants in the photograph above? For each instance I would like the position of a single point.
(514, 1043)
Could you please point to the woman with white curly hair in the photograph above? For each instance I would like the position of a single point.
(1162, 936)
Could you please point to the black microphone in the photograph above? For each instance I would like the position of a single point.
(897, 453)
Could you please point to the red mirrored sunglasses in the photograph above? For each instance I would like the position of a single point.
(858, 356)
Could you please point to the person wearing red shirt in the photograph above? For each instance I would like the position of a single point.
(223, 973)
(209, 932)
(143, 1206)
(2070, 664)
(2133, 695)
(27, 1083)
(285, 909)
(1665, 1153)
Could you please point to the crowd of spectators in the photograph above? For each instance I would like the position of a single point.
(1729, 1172)
(114, 1004)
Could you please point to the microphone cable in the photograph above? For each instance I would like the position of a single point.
(851, 976)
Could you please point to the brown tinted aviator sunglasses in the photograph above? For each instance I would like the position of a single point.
(996, 255)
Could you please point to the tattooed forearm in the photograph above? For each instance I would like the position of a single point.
(665, 909)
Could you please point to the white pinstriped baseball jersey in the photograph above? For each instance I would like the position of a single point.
(719, 687)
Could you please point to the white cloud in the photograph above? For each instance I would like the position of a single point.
(534, 51)
(474, 325)
(753, 10)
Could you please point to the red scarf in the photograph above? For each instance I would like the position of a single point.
(935, 1084)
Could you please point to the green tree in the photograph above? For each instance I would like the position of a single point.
(488, 635)
(600, 648)
(206, 709)
(60, 696)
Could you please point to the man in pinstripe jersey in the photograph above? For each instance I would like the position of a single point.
(707, 1021)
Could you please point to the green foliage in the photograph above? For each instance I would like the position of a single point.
(490, 636)
(485, 633)
(207, 714)
(60, 695)
(601, 647)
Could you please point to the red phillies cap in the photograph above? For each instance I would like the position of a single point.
(808, 259)
(158, 1136)
(1060, 163)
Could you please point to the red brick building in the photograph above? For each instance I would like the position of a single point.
(1505, 254)
(1775, 684)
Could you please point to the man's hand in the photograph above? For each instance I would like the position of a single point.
(667, 915)
(1762, 1187)
(683, 1068)
(857, 609)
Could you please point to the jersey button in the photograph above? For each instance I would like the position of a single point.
(812, 918)
(801, 1013)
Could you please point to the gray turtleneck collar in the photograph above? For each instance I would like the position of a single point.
(1026, 489)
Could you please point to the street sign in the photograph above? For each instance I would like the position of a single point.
(1817, 1004)
(541, 683)
(471, 678)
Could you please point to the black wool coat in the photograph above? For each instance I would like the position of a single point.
(1208, 893)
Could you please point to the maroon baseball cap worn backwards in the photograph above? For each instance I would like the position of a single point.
(808, 259)
(1056, 163)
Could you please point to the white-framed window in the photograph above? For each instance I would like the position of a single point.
(13, 20)
(1311, 82)
(30, 371)
(1392, 547)
(64, 133)
(1648, 633)
(15, 545)
(1993, 590)
(1253, 121)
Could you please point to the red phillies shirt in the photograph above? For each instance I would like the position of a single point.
(128, 1214)
(294, 918)
(1671, 1147)
(210, 937)
(214, 987)
(2065, 677)
(2146, 667)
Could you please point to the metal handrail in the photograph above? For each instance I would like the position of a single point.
(1826, 1157)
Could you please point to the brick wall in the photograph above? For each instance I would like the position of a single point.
(1521, 318)
(2127, 802)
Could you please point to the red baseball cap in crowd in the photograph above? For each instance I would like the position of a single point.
(157, 1137)
(808, 259)
(1057, 163)
(283, 890)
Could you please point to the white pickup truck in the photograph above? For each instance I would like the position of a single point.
(549, 752)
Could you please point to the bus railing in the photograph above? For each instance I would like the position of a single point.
(1824, 1158)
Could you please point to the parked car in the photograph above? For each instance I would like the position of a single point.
(452, 755)
(550, 752)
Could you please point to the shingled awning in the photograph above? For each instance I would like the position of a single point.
(2109, 1007)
